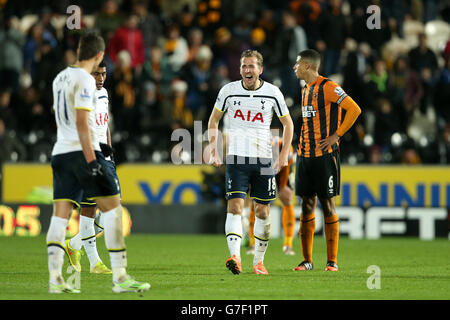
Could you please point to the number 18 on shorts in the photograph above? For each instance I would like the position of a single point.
(259, 178)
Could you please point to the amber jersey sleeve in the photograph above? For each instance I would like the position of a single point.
(337, 95)
(352, 113)
(322, 104)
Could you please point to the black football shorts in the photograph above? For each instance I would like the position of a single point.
(256, 174)
(72, 179)
(318, 176)
(110, 168)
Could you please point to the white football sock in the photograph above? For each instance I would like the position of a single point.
(56, 235)
(245, 220)
(233, 232)
(115, 242)
(87, 233)
(262, 235)
(98, 223)
(76, 242)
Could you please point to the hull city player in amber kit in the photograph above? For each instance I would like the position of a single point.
(249, 105)
(318, 166)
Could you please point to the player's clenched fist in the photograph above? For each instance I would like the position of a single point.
(215, 159)
(281, 162)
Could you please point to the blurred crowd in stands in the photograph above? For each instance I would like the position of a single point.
(167, 59)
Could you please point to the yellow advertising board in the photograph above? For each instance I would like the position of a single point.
(162, 184)
(363, 186)
(22, 181)
(413, 186)
(140, 183)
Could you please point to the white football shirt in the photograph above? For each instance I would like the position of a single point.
(248, 117)
(101, 115)
(73, 88)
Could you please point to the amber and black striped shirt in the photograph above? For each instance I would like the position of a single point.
(321, 115)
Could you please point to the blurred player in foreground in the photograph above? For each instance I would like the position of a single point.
(90, 222)
(249, 104)
(79, 168)
(318, 164)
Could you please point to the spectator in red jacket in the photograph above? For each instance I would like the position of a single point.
(128, 37)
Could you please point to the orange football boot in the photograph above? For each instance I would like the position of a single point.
(303, 266)
(331, 266)
(260, 268)
(234, 264)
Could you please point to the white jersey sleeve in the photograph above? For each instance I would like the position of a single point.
(281, 108)
(221, 100)
(101, 115)
(84, 91)
(73, 88)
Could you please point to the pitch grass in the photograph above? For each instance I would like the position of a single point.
(192, 267)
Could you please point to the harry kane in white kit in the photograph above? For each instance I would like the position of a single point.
(249, 105)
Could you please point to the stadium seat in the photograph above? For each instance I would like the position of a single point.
(421, 126)
(411, 29)
(438, 33)
(394, 48)
(59, 22)
(337, 77)
(89, 20)
(27, 21)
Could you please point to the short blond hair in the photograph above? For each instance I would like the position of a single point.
(253, 54)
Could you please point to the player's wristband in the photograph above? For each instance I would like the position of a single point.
(107, 150)
(95, 168)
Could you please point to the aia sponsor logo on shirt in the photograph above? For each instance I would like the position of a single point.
(249, 116)
(101, 118)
